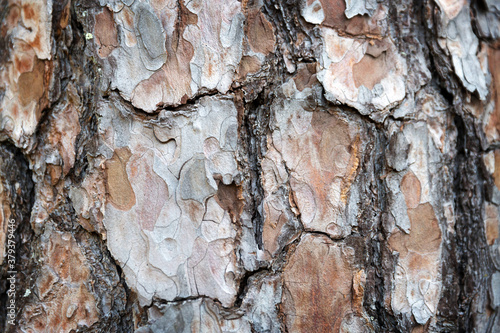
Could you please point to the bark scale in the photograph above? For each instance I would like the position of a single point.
(249, 166)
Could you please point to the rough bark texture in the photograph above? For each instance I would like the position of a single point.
(250, 166)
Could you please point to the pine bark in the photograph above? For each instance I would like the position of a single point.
(249, 166)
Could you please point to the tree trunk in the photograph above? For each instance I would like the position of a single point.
(253, 166)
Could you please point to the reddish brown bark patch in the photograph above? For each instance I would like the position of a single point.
(65, 302)
(105, 33)
(230, 198)
(358, 25)
(306, 76)
(29, 13)
(260, 33)
(317, 282)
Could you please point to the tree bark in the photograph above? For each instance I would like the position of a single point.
(249, 166)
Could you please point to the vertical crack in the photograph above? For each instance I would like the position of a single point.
(256, 126)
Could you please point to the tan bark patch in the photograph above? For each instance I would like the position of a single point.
(248, 65)
(425, 235)
(496, 173)
(358, 288)
(31, 84)
(370, 70)
(121, 194)
(410, 186)
(491, 222)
